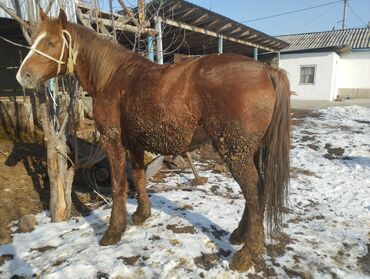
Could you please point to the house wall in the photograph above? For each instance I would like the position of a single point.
(354, 74)
(326, 64)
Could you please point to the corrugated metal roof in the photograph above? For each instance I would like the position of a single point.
(20, 7)
(194, 15)
(357, 38)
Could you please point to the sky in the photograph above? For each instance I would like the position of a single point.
(319, 19)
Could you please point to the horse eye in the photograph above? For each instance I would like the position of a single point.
(51, 44)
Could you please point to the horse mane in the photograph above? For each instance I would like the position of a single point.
(104, 58)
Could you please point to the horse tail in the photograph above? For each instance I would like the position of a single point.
(273, 166)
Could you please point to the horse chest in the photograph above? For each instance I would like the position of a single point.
(158, 133)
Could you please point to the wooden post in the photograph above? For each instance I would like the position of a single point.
(129, 13)
(112, 20)
(158, 28)
(255, 53)
(221, 44)
(59, 170)
(141, 5)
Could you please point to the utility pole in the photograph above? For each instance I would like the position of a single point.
(344, 14)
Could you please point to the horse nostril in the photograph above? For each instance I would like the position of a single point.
(27, 77)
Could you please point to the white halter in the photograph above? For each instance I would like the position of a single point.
(72, 53)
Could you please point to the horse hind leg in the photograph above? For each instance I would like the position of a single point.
(238, 151)
(238, 236)
(250, 228)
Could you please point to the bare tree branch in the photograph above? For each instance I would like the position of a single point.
(48, 8)
(129, 13)
(31, 15)
(14, 15)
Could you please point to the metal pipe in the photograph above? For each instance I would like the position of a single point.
(255, 53)
(158, 29)
(220, 44)
(150, 49)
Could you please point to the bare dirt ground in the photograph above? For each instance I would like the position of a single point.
(24, 185)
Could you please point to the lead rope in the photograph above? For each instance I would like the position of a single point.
(72, 54)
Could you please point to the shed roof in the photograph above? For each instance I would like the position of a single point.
(194, 15)
(356, 38)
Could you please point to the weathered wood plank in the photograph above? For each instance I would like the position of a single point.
(211, 33)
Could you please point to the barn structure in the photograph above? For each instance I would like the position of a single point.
(164, 31)
(328, 65)
(18, 107)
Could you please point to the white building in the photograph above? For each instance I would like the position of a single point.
(323, 65)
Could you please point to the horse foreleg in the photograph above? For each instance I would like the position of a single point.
(143, 210)
(117, 161)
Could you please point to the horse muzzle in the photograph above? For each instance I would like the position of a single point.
(27, 79)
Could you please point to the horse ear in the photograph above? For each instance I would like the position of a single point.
(62, 18)
(43, 16)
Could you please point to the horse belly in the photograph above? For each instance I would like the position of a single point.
(161, 137)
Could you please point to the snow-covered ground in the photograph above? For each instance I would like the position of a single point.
(326, 234)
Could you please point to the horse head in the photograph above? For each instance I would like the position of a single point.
(49, 55)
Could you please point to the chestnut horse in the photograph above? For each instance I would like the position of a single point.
(239, 105)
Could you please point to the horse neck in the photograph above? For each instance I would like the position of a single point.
(99, 61)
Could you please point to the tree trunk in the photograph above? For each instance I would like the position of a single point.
(60, 174)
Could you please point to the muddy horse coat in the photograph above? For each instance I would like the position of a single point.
(239, 105)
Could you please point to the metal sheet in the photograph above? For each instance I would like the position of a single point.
(21, 8)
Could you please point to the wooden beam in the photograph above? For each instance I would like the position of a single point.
(125, 27)
(236, 30)
(186, 14)
(245, 33)
(210, 33)
(85, 22)
(84, 9)
(129, 13)
(199, 19)
(141, 5)
(213, 23)
(225, 27)
(174, 6)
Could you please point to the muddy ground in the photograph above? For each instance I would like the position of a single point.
(25, 188)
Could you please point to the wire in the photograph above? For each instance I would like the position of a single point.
(291, 12)
(353, 11)
(311, 21)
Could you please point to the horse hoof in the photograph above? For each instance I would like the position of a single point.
(242, 261)
(236, 238)
(110, 238)
(139, 218)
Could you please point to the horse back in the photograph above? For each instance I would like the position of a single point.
(168, 104)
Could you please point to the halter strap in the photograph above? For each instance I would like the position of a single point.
(72, 54)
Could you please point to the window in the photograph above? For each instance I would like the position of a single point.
(307, 75)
